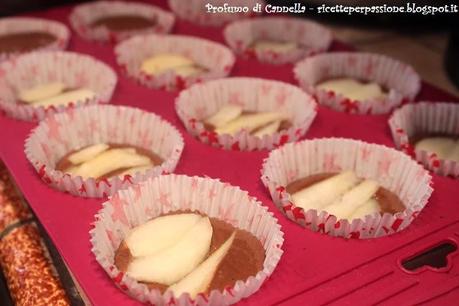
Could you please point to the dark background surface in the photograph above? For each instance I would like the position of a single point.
(404, 23)
(13, 7)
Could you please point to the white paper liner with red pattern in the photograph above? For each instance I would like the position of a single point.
(196, 10)
(311, 37)
(215, 57)
(392, 169)
(75, 70)
(167, 193)
(399, 79)
(84, 15)
(62, 133)
(253, 94)
(423, 119)
(15, 25)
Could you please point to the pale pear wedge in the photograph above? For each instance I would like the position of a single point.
(224, 115)
(111, 160)
(369, 208)
(268, 129)
(325, 192)
(438, 145)
(134, 170)
(41, 92)
(200, 278)
(160, 63)
(353, 199)
(75, 96)
(249, 122)
(71, 170)
(454, 153)
(353, 89)
(366, 91)
(129, 150)
(189, 70)
(87, 153)
(172, 264)
(275, 46)
(159, 234)
(343, 86)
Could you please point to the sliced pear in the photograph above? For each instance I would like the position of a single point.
(454, 153)
(187, 71)
(134, 170)
(200, 278)
(111, 160)
(275, 46)
(353, 199)
(369, 208)
(441, 146)
(87, 153)
(159, 234)
(160, 63)
(129, 150)
(325, 192)
(224, 115)
(71, 170)
(353, 89)
(77, 95)
(249, 122)
(172, 264)
(42, 91)
(366, 92)
(268, 129)
(340, 85)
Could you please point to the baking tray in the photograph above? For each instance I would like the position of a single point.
(315, 269)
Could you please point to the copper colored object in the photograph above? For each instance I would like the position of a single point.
(11, 208)
(28, 270)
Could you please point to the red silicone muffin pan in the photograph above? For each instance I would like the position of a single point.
(315, 269)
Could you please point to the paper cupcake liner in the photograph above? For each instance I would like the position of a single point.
(400, 79)
(392, 169)
(314, 38)
(15, 25)
(61, 133)
(253, 94)
(130, 54)
(428, 118)
(84, 15)
(136, 205)
(196, 10)
(73, 69)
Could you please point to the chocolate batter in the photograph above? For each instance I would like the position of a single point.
(64, 163)
(387, 200)
(285, 124)
(24, 42)
(245, 257)
(121, 23)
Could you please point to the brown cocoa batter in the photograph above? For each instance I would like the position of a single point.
(245, 257)
(124, 23)
(387, 200)
(24, 42)
(64, 163)
(285, 124)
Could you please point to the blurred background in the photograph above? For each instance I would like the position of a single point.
(429, 43)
